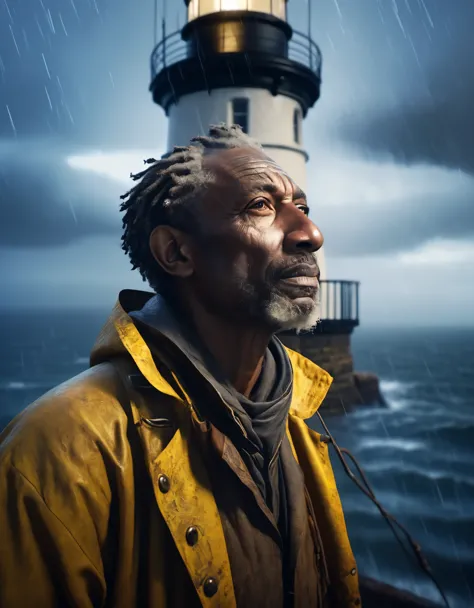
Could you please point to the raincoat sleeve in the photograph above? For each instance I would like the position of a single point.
(41, 562)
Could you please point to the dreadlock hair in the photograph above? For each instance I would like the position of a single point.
(167, 193)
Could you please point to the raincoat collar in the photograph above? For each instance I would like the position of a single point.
(120, 335)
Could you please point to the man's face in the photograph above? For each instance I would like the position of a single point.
(253, 256)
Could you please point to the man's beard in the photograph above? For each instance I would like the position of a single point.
(274, 308)
(282, 313)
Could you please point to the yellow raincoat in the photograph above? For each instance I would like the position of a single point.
(70, 470)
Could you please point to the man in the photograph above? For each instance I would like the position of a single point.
(178, 470)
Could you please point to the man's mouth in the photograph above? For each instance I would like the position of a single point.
(300, 270)
(301, 281)
(301, 275)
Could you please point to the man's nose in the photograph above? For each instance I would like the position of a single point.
(302, 234)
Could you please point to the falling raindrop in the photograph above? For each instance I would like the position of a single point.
(50, 21)
(66, 107)
(410, 40)
(73, 212)
(75, 9)
(11, 120)
(201, 126)
(397, 15)
(428, 33)
(46, 65)
(60, 86)
(2, 69)
(40, 28)
(49, 98)
(331, 42)
(8, 10)
(14, 40)
(422, 2)
(441, 498)
(25, 39)
(62, 24)
(338, 8)
(43, 7)
(379, 8)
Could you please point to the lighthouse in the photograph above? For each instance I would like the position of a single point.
(240, 61)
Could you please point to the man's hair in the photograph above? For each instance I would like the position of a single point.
(167, 195)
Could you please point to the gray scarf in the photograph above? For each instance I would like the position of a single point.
(263, 415)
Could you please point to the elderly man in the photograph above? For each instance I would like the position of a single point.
(178, 470)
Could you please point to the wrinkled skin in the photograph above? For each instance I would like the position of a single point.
(256, 227)
(232, 273)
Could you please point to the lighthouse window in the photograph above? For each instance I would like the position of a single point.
(240, 112)
(297, 125)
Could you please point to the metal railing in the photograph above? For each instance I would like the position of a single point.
(305, 51)
(340, 301)
(172, 48)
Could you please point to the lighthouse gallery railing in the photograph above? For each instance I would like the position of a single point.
(172, 48)
(340, 301)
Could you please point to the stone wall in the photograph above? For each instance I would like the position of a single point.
(332, 352)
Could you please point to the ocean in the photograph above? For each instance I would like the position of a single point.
(418, 453)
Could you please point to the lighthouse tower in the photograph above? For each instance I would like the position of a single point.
(240, 61)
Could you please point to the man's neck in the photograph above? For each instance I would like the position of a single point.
(239, 351)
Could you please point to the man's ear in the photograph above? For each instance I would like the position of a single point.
(171, 250)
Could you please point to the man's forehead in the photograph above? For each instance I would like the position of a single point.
(246, 166)
(245, 162)
(243, 171)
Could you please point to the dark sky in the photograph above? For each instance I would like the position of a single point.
(391, 146)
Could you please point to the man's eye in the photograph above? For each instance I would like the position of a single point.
(259, 204)
(304, 209)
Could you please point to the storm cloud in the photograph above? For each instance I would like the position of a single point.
(78, 71)
(375, 206)
(433, 120)
(378, 230)
(46, 203)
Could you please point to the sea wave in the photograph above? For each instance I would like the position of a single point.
(410, 504)
(20, 385)
(396, 393)
(370, 521)
(81, 361)
(376, 532)
(394, 468)
(421, 586)
(397, 387)
(459, 437)
(397, 443)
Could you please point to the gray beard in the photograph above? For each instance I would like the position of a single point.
(279, 311)
(283, 313)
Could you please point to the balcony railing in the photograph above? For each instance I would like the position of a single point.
(172, 48)
(340, 301)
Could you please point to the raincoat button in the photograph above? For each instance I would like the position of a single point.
(164, 484)
(192, 535)
(353, 571)
(210, 586)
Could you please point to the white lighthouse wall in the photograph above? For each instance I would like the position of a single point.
(270, 122)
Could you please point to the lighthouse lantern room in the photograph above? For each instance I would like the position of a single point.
(199, 8)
